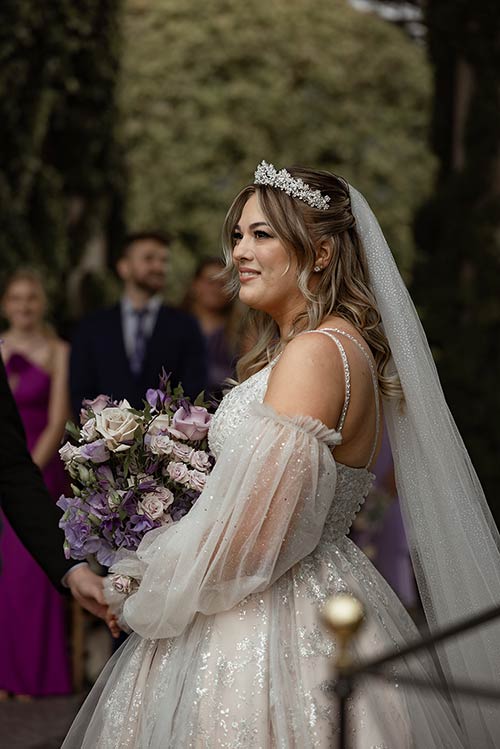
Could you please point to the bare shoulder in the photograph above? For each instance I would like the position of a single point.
(312, 352)
(59, 351)
(308, 379)
(60, 346)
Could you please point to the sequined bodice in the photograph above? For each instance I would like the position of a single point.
(353, 484)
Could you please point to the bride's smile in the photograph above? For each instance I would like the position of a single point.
(267, 271)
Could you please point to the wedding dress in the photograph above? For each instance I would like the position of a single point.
(228, 649)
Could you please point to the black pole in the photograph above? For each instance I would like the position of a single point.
(343, 690)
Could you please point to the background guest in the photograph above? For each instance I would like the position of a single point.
(378, 529)
(121, 350)
(208, 300)
(33, 648)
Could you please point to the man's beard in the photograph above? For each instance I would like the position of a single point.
(149, 286)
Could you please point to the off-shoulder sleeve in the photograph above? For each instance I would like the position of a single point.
(262, 511)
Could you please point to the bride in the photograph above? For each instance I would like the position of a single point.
(227, 649)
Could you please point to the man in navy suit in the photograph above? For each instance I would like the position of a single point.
(122, 350)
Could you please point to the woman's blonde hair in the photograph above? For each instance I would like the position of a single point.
(343, 285)
(34, 276)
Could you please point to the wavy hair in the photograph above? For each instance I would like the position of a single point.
(343, 285)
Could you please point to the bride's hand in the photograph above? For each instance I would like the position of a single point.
(112, 622)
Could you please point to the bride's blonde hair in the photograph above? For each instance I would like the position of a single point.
(343, 285)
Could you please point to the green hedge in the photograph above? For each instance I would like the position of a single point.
(209, 89)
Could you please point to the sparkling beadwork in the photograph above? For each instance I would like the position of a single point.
(266, 174)
(258, 676)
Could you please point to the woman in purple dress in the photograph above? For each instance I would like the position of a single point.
(33, 643)
(379, 531)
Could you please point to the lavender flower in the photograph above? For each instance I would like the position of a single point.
(132, 471)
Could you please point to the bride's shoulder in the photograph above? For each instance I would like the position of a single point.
(308, 380)
(308, 355)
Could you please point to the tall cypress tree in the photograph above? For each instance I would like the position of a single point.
(58, 67)
(457, 281)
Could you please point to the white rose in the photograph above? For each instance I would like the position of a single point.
(159, 425)
(152, 506)
(200, 460)
(165, 495)
(182, 452)
(197, 480)
(178, 472)
(69, 452)
(88, 431)
(161, 444)
(117, 426)
(124, 405)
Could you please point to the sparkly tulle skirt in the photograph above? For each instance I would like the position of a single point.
(259, 676)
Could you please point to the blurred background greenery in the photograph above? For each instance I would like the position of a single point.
(129, 114)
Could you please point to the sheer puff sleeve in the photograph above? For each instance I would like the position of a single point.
(262, 510)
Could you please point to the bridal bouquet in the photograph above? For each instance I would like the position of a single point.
(132, 470)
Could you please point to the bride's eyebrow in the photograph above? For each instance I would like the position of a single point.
(252, 226)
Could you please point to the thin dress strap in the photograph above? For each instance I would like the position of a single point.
(347, 373)
(374, 382)
(330, 333)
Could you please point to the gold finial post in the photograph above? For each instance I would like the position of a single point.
(343, 615)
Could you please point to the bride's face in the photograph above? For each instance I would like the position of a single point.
(267, 272)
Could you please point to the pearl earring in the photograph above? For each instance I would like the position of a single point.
(317, 268)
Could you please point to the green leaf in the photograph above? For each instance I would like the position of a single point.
(200, 399)
(72, 430)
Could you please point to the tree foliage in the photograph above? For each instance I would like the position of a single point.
(457, 281)
(58, 66)
(208, 90)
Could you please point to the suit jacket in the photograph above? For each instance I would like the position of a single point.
(24, 498)
(99, 362)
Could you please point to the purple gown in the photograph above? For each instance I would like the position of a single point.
(391, 555)
(33, 643)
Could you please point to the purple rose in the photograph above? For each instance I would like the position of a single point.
(192, 421)
(200, 460)
(178, 472)
(182, 452)
(160, 444)
(197, 480)
(98, 404)
(96, 451)
(124, 584)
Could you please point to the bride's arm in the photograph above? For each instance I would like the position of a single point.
(262, 510)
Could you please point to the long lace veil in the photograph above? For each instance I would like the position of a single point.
(453, 540)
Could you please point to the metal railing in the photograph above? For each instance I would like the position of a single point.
(344, 614)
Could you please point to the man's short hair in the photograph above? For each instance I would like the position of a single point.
(139, 236)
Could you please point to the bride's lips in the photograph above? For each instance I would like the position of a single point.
(247, 274)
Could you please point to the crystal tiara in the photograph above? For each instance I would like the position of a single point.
(266, 174)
